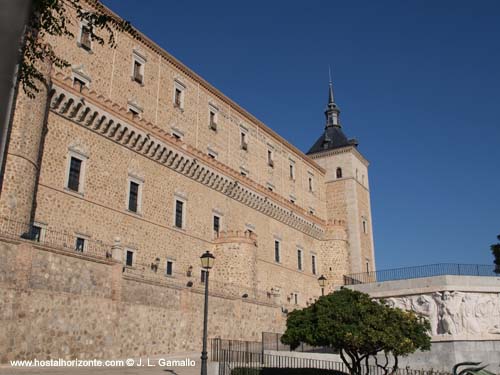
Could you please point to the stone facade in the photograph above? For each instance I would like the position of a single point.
(66, 308)
(186, 142)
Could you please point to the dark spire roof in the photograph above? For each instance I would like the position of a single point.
(333, 136)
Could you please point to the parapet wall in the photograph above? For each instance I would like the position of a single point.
(57, 304)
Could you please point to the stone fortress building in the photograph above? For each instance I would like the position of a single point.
(125, 169)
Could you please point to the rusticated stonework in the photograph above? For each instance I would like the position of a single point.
(96, 275)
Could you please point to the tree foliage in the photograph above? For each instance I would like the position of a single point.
(359, 328)
(50, 17)
(495, 250)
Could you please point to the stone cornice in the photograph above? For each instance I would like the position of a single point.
(109, 120)
(341, 150)
(233, 105)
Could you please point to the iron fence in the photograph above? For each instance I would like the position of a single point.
(430, 270)
(272, 341)
(61, 240)
(233, 362)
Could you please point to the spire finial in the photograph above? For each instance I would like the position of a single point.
(332, 111)
(330, 87)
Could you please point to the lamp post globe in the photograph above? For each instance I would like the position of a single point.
(207, 262)
(322, 282)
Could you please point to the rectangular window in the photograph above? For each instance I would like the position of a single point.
(313, 264)
(137, 73)
(79, 244)
(169, 269)
(296, 298)
(178, 97)
(203, 276)
(86, 38)
(299, 259)
(292, 172)
(365, 230)
(244, 144)
(270, 161)
(36, 233)
(277, 251)
(179, 212)
(213, 120)
(133, 197)
(216, 224)
(75, 168)
(129, 258)
(310, 184)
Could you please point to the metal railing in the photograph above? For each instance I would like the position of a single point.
(272, 341)
(417, 272)
(58, 239)
(233, 362)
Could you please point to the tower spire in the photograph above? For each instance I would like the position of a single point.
(332, 111)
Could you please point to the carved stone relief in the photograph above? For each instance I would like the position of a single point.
(455, 313)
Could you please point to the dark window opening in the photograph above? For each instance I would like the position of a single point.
(310, 184)
(299, 260)
(129, 258)
(244, 144)
(169, 269)
(203, 276)
(216, 224)
(133, 198)
(36, 233)
(138, 77)
(177, 98)
(339, 172)
(292, 175)
(179, 208)
(85, 38)
(277, 251)
(296, 298)
(270, 161)
(213, 123)
(313, 260)
(80, 244)
(74, 174)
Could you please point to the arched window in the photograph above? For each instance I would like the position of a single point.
(339, 172)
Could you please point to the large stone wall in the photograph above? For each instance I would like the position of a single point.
(70, 306)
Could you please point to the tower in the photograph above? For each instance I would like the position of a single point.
(347, 188)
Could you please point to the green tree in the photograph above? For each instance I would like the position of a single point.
(50, 17)
(359, 328)
(495, 250)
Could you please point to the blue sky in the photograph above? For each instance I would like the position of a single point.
(418, 83)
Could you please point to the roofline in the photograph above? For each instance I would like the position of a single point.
(341, 150)
(181, 66)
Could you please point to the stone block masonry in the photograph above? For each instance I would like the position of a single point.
(58, 305)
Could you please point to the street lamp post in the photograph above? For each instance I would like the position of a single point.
(322, 283)
(207, 262)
